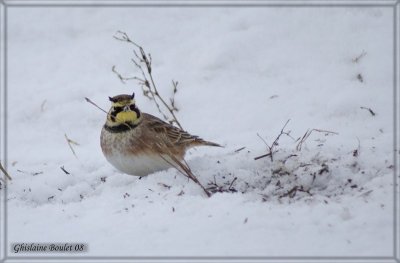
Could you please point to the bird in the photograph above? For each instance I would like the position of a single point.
(138, 143)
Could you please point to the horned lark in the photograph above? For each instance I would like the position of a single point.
(138, 143)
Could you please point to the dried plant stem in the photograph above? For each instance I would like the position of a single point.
(274, 144)
(148, 80)
(94, 104)
(70, 142)
(5, 172)
(357, 59)
(369, 109)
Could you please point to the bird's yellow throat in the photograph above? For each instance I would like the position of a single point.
(119, 114)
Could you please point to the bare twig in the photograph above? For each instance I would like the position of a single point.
(274, 144)
(287, 158)
(70, 142)
(165, 185)
(307, 134)
(63, 169)
(357, 59)
(5, 172)
(143, 58)
(230, 185)
(31, 173)
(121, 78)
(292, 192)
(172, 100)
(214, 187)
(240, 149)
(369, 109)
(94, 104)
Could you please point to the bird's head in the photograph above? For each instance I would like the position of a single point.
(123, 111)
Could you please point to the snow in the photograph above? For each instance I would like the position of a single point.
(242, 72)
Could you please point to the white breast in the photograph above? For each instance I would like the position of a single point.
(140, 165)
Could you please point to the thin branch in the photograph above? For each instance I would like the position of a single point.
(70, 142)
(234, 179)
(357, 59)
(369, 109)
(94, 104)
(274, 144)
(5, 172)
(149, 83)
(240, 149)
(121, 78)
(63, 169)
(108, 114)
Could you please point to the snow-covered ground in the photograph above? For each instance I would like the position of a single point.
(242, 72)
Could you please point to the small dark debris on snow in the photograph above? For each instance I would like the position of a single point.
(324, 169)
(165, 185)
(245, 220)
(292, 192)
(227, 187)
(31, 173)
(354, 186)
(359, 57)
(366, 193)
(369, 109)
(240, 149)
(63, 169)
(173, 209)
(51, 197)
(103, 179)
(126, 195)
(181, 193)
(360, 77)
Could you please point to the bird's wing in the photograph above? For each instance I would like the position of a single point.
(172, 134)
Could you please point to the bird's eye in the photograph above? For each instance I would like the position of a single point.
(132, 107)
(117, 109)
